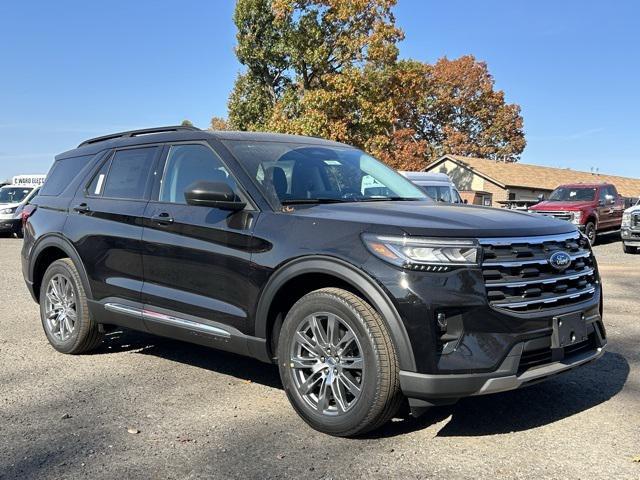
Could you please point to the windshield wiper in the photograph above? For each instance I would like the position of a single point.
(301, 201)
(390, 199)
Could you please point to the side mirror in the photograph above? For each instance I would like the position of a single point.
(213, 194)
(541, 198)
(611, 200)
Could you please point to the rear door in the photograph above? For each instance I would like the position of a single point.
(105, 224)
(196, 258)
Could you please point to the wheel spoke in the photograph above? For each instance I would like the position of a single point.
(351, 363)
(306, 343)
(318, 331)
(68, 324)
(349, 383)
(323, 398)
(344, 342)
(303, 362)
(332, 330)
(311, 382)
(338, 395)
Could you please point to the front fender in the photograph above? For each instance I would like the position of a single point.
(355, 277)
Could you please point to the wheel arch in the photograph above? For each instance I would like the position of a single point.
(47, 250)
(346, 276)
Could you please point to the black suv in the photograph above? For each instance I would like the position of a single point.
(314, 255)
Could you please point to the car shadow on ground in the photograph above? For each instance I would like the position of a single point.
(518, 410)
(244, 368)
(607, 238)
(561, 397)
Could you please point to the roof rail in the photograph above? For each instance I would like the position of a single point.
(135, 133)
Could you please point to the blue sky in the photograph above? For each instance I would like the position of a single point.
(75, 69)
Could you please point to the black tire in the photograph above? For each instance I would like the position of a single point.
(379, 398)
(591, 232)
(19, 231)
(85, 335)
(628, 249)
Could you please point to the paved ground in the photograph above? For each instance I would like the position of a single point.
(202, 413)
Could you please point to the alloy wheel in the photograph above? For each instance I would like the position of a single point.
(327, 364)
(60, 307)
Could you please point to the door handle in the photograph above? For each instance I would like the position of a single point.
(162, 219)
(82, 208)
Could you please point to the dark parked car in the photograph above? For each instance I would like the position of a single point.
(271, 246)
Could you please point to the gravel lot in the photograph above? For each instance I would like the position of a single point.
(201, 413)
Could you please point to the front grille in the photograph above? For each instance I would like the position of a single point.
(519, 277)
(568, 216)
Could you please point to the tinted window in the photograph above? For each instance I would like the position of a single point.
(62, 173)
(187, 164)
(129, 173)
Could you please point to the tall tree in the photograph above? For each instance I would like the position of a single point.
(329, 68)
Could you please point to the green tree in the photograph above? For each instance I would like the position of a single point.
(186, 123)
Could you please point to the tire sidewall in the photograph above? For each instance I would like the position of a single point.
(591, 226)
(327, 423)
(56, 268)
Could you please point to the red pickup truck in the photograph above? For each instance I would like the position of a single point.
(594, 208)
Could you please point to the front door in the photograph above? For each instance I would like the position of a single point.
(196, 259)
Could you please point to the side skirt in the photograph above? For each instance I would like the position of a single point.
(170, 324)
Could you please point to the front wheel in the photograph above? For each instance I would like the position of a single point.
(338, 364)
(591, 232)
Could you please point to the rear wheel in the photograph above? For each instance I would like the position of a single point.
(338, 364)
(628, 249)
(64, 311)
(591, 232)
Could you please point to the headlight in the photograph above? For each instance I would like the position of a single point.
(425, 254)
(626, 219)
(576, 218)
(6, 211)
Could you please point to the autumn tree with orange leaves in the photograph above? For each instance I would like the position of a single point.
(329, 68)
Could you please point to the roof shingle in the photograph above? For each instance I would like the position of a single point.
(538, 177)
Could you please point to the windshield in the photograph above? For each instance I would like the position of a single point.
(564, 194)
(439, 194)
(13, 194)
(289, 173)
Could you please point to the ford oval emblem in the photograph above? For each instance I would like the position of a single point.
(560, 261)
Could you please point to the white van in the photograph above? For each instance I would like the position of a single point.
(437, 185)
(13, 197)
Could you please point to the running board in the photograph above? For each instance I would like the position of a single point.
(172, 320)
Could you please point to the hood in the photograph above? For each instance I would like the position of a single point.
(9, 205)
(634, 209)
(439, 220)
(548, 206)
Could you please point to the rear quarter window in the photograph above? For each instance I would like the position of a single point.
(62, 174)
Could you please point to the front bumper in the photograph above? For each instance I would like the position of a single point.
(525, 364)
(9, 224)
(630, 238)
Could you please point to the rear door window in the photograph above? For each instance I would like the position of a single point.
(128, 174)
(62, 173)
